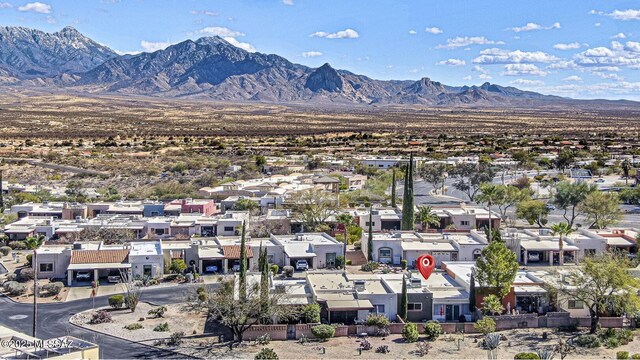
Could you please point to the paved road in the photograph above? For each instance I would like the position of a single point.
(53, 321)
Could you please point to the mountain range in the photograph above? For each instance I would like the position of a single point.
(212, 68)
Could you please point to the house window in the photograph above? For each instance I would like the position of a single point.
(229, 228)
(414, 306)
(160, 231)
(576, 304)
(589, 252)
(476, 254)
(385, 252)
(46, 267)
(464, 223)
(377, 309)
(373, 223)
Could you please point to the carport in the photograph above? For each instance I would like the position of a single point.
(295, 252)
(97, 262)
(232, 252)
(208, 257)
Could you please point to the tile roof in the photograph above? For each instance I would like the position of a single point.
(99, 256)
(233, 252)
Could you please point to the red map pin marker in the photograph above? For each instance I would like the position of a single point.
(426, 263)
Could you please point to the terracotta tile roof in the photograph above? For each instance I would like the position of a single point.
(233, 252)
(99, 256)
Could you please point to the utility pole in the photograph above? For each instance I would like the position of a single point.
(1, 192)
(34, 263)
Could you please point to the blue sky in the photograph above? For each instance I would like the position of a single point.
(577, 48)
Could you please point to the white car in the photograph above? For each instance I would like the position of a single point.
(302, 265)
(83, 275)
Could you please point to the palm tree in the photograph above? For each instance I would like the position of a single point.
(626, 166)
(561, 229)
(426, 216)
(489, 194)
(33, 243)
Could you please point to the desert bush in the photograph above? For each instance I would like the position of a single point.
(311, 313)
(176, 338)
(370, 266)
(263, 339)
(622, 355)
(274, 269)
(485, 326)
(383, 349)
(53, 288)
(17, 245)
(635, 356)
(587, 341)
(161, 327)
(26, 274)
(323, 332)
(422, 348)
(383, 332)
(5, 250)
(12, 277)
(348, 262)
(365, 344)
(527, 355)
(100, 317)
(132, 299)
(157, 312)
(377, 320)
(432, 329)
(29, 258)
(116, 301)
(15, 288)
(134, 326)
(266, 354)
(403, 264)
(410, 332)
(288, 271)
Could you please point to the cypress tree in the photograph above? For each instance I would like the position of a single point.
(370, 238)
(264, 285)
(404, 301)
(242, 280)
(472, 294)
(407, 198)
(393, 187)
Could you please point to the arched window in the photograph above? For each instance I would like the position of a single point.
(476, 254)
(385, 254)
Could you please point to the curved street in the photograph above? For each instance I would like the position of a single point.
(53, 321)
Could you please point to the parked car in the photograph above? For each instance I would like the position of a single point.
(83, 276)
(600, 180)
(114, 279)
(211, 268)
(236, 266)
(551, 207)
(302, 265)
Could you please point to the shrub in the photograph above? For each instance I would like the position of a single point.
(288, 271)
(178, 266)
(15, 288)
(365, 345)
(410, 332)
(485, 326)
(587, 341)
(5, 250)
(134, 326)
(383, 332)
(635, 356)
(202, 297)
(201, 289)
(132, 299)
(422, 348)
(17, 245)
(383, 349)
(266, 354)
(100, 317)
(161, 327)
(348, 261)
(157, 312)
(527, 355)
(29, 259)
(116, 301)
(26, 274)
(622, 355)
(323, 332)
(357, 245)
(176, 338)
(274, 269)
(339, 261)
(377, 320)
(311, 313)
(12, 277)
(263, 339)
(491, 305)
(403, 264)
(53, 288)
(432, 329)
(370, 266)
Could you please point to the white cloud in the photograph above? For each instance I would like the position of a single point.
(572, 78)
(218, 31)
(37, 7)
(629, 14)
(563, 65)
(480, 69)
(619, 36)
(597, 24)
(150, 46)
(467, 78)
(522, 69)
(500, 56)
(242, 45)
(632, 46)
(618, 55)
(485, 76)
(412, 32)
(287, 2)
(204, 12)
(458, 42)
(533, 26)
(452, 62)
(414, 70)
(308, 54)
(567, 46)
(126, 52)
(527, 82)
(344, 34)
(433, 30)
(5, 5)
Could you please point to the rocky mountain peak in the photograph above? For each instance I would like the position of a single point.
(325, 78)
